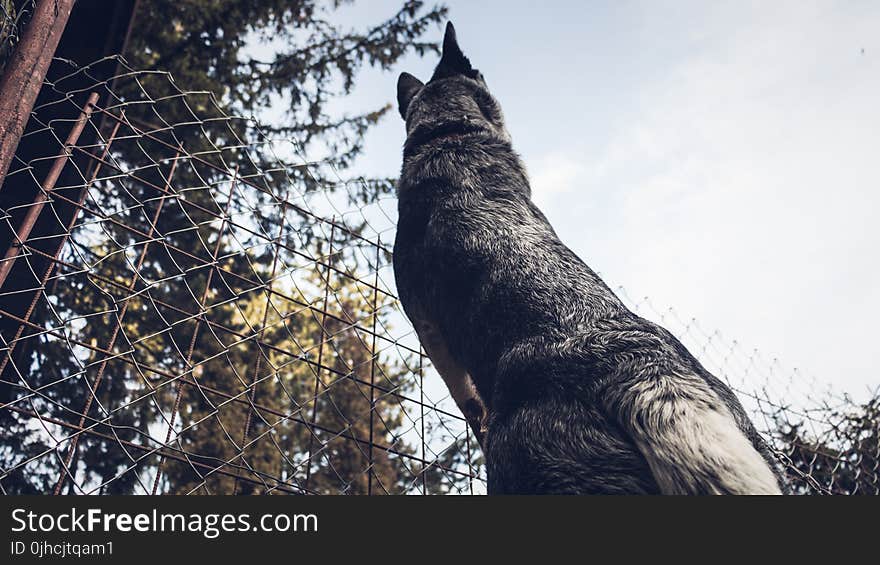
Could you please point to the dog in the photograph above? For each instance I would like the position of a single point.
(568, 391)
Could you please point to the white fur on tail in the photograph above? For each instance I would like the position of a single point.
(690, 439)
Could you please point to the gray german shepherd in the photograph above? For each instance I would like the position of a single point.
(568, 390)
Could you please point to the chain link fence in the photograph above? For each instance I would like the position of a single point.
(827, 442)
(207, 312)
(193, 306)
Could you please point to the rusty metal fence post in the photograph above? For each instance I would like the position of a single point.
(24, 75)
(22, 233)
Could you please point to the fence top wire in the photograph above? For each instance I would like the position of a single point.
(202, 309)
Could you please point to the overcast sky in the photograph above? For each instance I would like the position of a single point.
(721, 158)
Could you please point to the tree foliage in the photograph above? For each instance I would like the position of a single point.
(257, 55)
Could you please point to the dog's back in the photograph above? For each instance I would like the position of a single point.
(583, 396)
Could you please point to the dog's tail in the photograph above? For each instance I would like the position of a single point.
(689, 437)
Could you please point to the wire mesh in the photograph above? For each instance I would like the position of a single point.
(826, 442)
(199, 308)
(218, 317)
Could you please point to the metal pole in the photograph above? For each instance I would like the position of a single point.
(324, 338)
(54, 260)
(24, 75)
(33, 213)
(422, 410)
(373, 362)
(225, 222)
(117, 328)
(252, 389)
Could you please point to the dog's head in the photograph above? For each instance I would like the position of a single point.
(456, 101)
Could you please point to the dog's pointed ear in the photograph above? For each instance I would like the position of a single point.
(453, 61)
(451, 50)
(407, 87)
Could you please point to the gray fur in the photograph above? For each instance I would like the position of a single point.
(583, 396)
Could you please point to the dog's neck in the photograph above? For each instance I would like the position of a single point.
(464, 162)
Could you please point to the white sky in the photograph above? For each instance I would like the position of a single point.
(721, 158)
